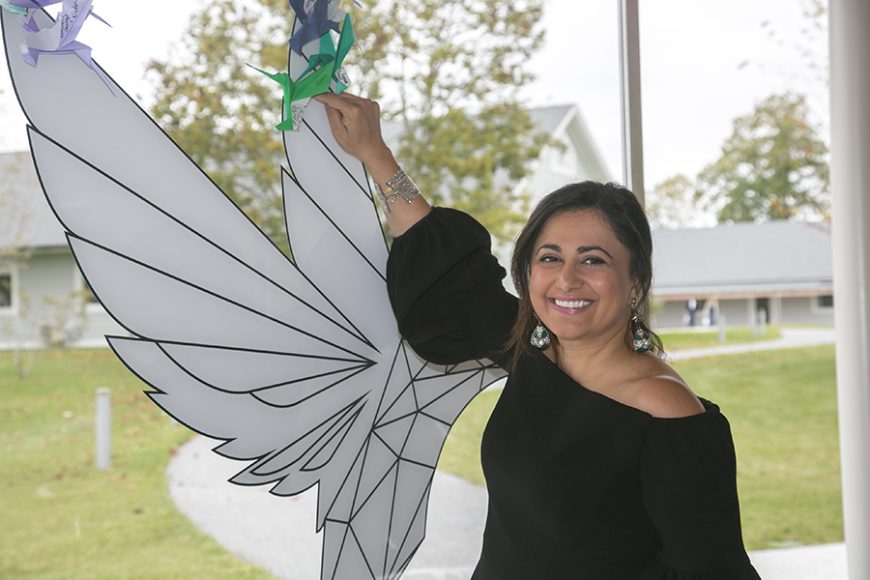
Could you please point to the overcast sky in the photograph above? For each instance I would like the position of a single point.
(703, 63)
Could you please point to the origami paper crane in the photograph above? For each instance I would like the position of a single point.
(313, 21)
(57, 37)
(322, 69)
(296, 367)
(334, 57)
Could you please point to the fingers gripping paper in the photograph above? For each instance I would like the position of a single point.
(302, 375)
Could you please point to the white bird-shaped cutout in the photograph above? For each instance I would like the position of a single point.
(297, 366)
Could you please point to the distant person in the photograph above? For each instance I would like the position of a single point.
(600, 462)
(692, 307)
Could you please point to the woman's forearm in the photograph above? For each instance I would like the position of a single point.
(400, 214)
(356, 125)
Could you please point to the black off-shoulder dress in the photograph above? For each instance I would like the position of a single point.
(581, 487)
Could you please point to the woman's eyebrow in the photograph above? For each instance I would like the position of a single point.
(553, 247)
(580, 250)
(584, 249)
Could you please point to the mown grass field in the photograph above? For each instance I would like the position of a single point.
(783, 412)
(61, 518)
(64, 519)
(674, 340)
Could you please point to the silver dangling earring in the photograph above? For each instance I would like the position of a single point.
(641, 340)
(540, 338)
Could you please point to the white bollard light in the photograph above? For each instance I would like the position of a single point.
(104, 428)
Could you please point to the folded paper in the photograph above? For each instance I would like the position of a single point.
(314, 19)
(323, 68)
(60, 36)
(7, 5)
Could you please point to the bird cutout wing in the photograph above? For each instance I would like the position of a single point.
(296, 365)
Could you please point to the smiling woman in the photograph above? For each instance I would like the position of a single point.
(599, 460)
(588, 241)
(576, 286)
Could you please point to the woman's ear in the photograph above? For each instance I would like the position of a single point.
(636, 293)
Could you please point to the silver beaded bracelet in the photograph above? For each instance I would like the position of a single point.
(399, 185)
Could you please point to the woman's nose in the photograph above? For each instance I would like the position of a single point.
(569, 279)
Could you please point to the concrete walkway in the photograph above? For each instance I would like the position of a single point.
(791, 338)
(278, 534)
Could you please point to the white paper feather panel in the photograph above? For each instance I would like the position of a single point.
(296, 368)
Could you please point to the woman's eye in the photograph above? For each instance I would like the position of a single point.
(593, 260)
(548, 259)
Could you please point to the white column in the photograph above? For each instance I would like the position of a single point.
(103, 428)
(776, 310)
(629, 69)
(850, 182)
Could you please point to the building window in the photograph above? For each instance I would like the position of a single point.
(823, 304)
(5, 291)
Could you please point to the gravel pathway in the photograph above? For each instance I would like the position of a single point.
(277, 533)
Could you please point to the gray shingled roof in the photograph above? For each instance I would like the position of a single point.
(742, 258)
(25, 216)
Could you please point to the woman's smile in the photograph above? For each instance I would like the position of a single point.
(570, 305)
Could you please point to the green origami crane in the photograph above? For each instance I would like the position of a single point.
(323, 67)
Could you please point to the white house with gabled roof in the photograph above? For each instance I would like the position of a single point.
(578, 158)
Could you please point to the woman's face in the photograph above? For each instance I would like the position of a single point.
(580, 285)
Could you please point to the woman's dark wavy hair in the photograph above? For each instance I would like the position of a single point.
(622, 212)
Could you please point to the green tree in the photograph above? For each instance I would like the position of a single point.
(447, 71)
(672, 204)
(773, 166)
(220, 112)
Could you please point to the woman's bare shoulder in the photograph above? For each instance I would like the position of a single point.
(662, 392)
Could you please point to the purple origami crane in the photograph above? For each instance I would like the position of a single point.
(60, 37)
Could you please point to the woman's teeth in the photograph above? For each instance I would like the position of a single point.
(572, 303)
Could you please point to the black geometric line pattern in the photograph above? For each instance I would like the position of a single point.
(296, 366)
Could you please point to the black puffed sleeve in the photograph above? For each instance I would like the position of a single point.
(445, 288)
(688, 480)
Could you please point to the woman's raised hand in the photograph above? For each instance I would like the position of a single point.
(356, 124)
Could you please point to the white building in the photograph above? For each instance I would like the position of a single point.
(779, 270)
(43, 298)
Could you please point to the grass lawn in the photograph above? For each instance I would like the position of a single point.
(701, 339)
(64, 519)
(783, 412)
